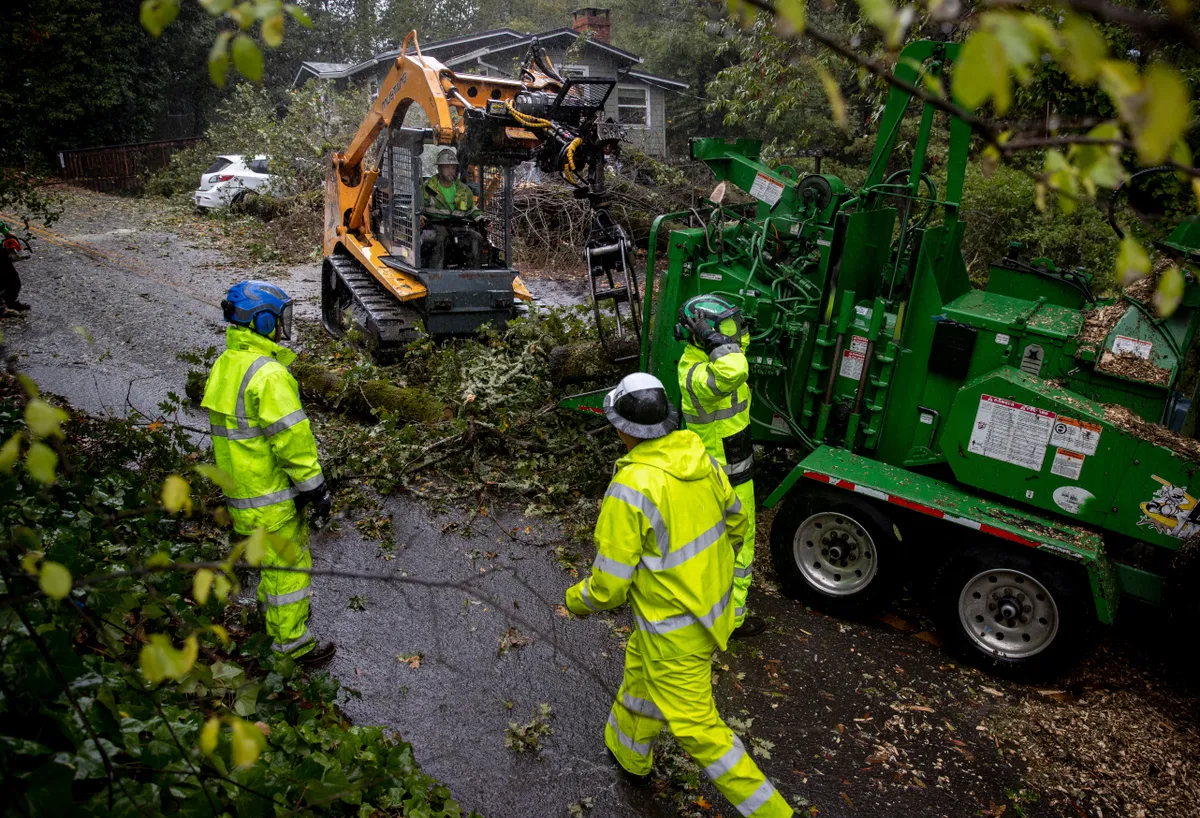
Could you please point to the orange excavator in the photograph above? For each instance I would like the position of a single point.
(375, 280)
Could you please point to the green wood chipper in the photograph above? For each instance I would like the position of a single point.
(1026, 446)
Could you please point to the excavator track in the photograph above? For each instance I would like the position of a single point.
(353, 300)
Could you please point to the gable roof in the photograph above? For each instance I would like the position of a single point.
(483, 44)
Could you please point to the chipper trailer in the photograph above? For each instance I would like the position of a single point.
(1027, 443)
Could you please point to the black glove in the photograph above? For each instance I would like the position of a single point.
(704, 333)
(319, 498)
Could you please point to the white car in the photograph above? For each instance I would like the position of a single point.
(229, 178)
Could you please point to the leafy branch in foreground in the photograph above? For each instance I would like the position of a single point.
(1146, 111)
(126, 687)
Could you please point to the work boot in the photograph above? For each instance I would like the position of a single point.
(14, 306)
(318, 656)
(632, 778)
(751, 626)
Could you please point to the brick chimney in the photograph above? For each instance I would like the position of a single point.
(593, 20)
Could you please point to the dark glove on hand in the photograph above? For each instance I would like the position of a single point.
(705, 335)
(319, 498)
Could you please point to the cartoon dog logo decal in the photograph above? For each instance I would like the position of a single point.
(1169, 510)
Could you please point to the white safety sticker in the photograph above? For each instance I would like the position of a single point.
(779, 425)
(1124, 345)
(1076, 435)
(711, 276)
(1012, 432)
(926, 418)
(1002, 339)
(858, 343)
(863, 310)
(1067, 464)
(1072, 499)
(766, 189)
(852, 364)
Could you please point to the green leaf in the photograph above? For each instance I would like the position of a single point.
(248, 742)
(1164, 114)
(221, 587)
(256, 546)
(29, 385)
(9, 453)
(834, 93)
(42, 463)
(1169, 292)
(43, 419)
(54, 580)
(220, 632)
(202, 584)
(218, 59)
(160, 660)
(981, 73)
(216, 474)
(158, 14)
(247, 58)
(794, 12)
(272, 30)
(29, 562)
(1132, 261)
(299, 15)
(209, 735)
(176, 494)
(1083, 49)
(216, 7)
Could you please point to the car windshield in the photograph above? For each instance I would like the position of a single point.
(220, 164)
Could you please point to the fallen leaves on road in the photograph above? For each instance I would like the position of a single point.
(512, 638)
(413, 660)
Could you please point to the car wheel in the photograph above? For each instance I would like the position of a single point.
(1017, 614)
(835, 551)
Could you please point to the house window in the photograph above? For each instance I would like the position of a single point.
(633, 107)
(574, 71)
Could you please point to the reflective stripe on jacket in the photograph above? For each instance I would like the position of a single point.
(668, 528)
(716, 404)
(432, 201)
(261, 436)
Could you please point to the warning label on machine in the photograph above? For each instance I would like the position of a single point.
(854, 358)
(1124, 345)
(766, 189)
(852, 364)
(1067, 464)
(1076, 435)
(1012, 432)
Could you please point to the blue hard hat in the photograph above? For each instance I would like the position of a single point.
(260, 306)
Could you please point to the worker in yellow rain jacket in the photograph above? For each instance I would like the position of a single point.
(263, 440)
(669, 525)
(713, 373)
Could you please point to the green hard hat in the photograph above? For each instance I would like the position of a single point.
(722, 314)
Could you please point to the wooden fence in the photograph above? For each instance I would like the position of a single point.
(118, 167)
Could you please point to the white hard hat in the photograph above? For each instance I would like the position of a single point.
(639, 407)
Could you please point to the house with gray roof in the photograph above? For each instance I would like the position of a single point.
(582, 50)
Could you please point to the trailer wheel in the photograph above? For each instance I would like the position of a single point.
(833, 551)
(1017, 614)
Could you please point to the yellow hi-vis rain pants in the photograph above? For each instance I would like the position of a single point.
(285, 593)
(676, 693)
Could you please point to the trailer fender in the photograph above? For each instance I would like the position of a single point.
(935, 498)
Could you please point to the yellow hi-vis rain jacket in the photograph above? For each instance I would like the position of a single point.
(263, 440)
(668, 527)
(716, 405)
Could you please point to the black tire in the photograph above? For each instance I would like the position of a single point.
(818, 522)
(1054, 609)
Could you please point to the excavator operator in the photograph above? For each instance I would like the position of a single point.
(449, 217)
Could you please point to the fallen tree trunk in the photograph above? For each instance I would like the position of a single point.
(367, 399)
(590, 361)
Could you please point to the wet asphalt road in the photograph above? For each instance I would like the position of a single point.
(856, 719)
